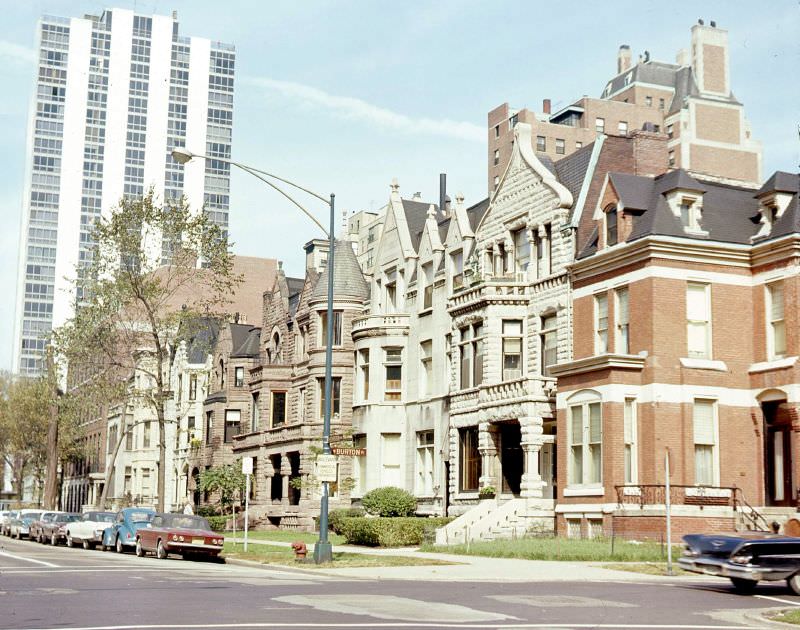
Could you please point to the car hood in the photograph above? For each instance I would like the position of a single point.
(723, 545)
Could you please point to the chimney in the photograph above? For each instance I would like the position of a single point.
(623, 58)
(442, 193)
(417, 196)
(710, 59)
(682, 58)
(546, 106)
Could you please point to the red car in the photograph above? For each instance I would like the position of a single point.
(183, 534)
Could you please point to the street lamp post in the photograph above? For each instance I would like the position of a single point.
(322, 550)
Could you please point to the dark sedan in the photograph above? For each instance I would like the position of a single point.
(56, 530)
(183, 534)
(746, 559)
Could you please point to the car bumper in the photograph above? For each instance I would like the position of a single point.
(180, 547)
(725, 568)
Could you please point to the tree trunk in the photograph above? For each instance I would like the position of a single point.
(111, 463)
(162, 458)
(51, 475)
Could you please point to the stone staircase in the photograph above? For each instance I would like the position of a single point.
(762, 519)
(491, 520)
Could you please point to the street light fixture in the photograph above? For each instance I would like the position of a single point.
(322, 550)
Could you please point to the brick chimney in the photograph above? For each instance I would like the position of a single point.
(546, 106)
(650, 155)
(710, 60)
(623, 58)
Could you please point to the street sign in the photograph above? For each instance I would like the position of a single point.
(348, 451)
(326, 467)
(247, 465)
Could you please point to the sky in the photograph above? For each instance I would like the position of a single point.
(343, 96)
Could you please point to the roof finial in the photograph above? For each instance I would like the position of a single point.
(459, 198)
(431, 211)
(395, 185)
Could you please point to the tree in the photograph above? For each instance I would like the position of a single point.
(227, 480)
(155, 273)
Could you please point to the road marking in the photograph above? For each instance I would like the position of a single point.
(481, 626)
(778, 599)
(16, 557)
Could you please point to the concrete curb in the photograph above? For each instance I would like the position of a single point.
(759, 617)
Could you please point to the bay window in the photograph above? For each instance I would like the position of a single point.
(512, 349)
(471, 350)
(336, 389)
(393, 386)
(548, 343)
(337, 328)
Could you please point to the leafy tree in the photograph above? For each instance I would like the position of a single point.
(228, 481)
(155, 272)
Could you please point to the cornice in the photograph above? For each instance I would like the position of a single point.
(599, 362)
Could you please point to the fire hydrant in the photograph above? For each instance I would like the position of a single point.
(300, 550)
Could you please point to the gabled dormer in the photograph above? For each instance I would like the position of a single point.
(622, 198)
(684, 197)
(774, 198)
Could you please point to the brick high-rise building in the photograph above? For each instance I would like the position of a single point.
(690, 101)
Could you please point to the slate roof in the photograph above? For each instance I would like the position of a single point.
(416, 215)
(348, 281)
(475, 213)
(295, 286)
(571, 170)
(780, 181)
(634, 192)
(654, 72)
(202, 341)
(245, 340)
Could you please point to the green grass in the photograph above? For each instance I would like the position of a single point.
(287, 535)
(648, 568)
(285, 556)
(555, 548)
(788, 616)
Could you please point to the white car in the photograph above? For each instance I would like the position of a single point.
(89, 529)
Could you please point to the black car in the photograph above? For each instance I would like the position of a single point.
(744, 558)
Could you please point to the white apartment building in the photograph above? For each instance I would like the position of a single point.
(114, 94)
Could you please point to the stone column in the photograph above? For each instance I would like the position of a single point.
(529, 234)
(286, 472)
(532, 484)
(545, 245)
(487, 447)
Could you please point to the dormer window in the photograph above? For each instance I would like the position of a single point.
(611, 226)
(690, 214)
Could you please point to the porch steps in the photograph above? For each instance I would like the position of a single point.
(490, 520)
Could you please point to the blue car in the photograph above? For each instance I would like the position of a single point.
(122, 534)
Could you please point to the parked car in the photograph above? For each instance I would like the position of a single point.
(35, 532)
(122, 533)
(746, 559)
(55, 531)
(184, 534)
(20, 526)
(5, 526)
(89, 529)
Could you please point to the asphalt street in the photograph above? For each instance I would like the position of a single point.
(48, 588)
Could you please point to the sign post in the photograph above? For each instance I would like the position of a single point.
(247, 469)
(668, 507)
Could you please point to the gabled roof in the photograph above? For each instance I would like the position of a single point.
(475, 213)
(245, 340)
(348, 280)
(416, 214)
(295, 287)
(571, 170)
(202, 342)
(633, 191)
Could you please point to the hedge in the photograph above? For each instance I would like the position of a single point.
(217, 522)
(335, 517)
(389, 501)
(390, 532)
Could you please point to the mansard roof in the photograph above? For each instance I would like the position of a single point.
(245, 340)
(781, 181)
(348, 280)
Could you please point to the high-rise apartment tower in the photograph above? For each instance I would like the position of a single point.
(115, 93)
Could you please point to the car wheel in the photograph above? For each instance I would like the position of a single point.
(118, 546)
(161, 552)
(53, 540)
(794, 583)
(86, 545)
(70, 542)
(742, 585)
(139, 550)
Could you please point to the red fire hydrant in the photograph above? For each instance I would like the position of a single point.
(300, 550)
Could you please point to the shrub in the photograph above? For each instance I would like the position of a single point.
(390, 532)
(389, 501)
(217, 522)
(335, 517)
(207, 510)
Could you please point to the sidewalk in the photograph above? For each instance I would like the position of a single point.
(479, 568)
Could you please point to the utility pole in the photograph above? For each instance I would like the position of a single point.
(51, 474)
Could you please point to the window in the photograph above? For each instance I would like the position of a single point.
(126, 488)
(522, 249)
(238, 377)
(233, 418)
(255, 413)
(336, 389)
(427, 278)
(496, 180)
(147, 491)
(690, 214)
(661, 103)
(337, 328)
(393, 387)
(128, 438)
(611, 226)
(621, 339)
(560, 146)
(705, 442)
(448, 359)
(544, 251)
(363, 367)
(541, 144)
(497, 157)
(629, 437)
(698, 320)
(471, 349)
(112, 439)
(672, 158)
(585, 443)
(623, 127)
(457, 269)
(600, 323)
(209, 426)
(599, 125)
(578, 144)
(278, 409)
(360, 465)
(424, 482)
(776, 325)
(497, 131)
(548, 342)
(426, 373)
(670, 131)
(391, 291)
(193, 387)
(512, 349)
(147, 430)
(301, 404)
(648, 100)
(390, 459)
(221, 373)
(469, 459)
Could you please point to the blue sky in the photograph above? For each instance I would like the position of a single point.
(344, 96)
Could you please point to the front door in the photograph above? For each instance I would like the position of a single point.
(778, 452)
(511, 457)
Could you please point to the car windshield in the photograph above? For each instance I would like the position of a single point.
(32, 516)
(68, 518)
(140, 517)
(185, 521)
(105, 517)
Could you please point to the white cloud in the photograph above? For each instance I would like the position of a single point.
(9, 51)
(356, 109)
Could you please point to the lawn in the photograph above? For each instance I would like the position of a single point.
(287, 535)
(284, 555)
(788, 616)
(555, 548)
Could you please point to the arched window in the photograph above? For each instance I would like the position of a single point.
(277, 347)
(221, 373)
(611, 225)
